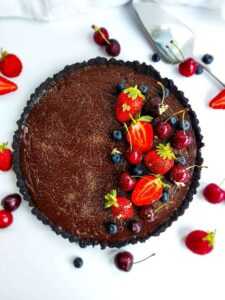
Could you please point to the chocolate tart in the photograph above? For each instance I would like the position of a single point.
(62, 151)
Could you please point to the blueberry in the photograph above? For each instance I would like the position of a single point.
(117, 135)
(155, 121)
(155, 57)
(135, 226)
(165, 197)
(181, 160)
(173, 120)
(139, 170)
(144, 89)
(167, 93)
(184, 125)
(116, 158)
(78, 262)
(111, 228)
(121, 86)
(199, 70)
(207, 59)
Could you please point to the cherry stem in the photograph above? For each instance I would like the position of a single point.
(144, 259)
(159, 208)
(191, 167)
(97, 29)
(163, 92)
(172, 42)
(177, 113)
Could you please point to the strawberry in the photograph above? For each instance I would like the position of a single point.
(200, 242)
(147, 190)
(218, 102)
(10, 64)
(121, 207)
(5, 157)
(140, 134)
(6, 86)
(160, 160)
(129, 103)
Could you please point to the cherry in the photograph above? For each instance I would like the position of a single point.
(179, 174)
(134, 156)
(126, 182)
(6, 218)
(11, 202)
(213, 193)
(100, 36)
(164, 130)
(113, 47)
(181, 140)
(188, 67)
(124, 261)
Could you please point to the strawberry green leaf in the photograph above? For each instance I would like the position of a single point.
(110, 199)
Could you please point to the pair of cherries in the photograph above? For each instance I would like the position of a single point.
(10, 203)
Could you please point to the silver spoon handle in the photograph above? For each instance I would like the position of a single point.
(211, 74)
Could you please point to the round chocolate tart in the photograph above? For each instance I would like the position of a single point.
(63, 153)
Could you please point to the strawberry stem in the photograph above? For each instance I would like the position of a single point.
(144, 259)
(3, 146)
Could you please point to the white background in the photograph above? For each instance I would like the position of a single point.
(37, 264)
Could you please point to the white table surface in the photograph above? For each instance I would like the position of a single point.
(37, 264)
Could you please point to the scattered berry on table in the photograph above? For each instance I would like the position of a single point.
(113, 47)
(155, 57)
(134, 156)
(213, 193)
(117, 135)
(78, 262)
(124, 261)
(199, 70)
(200, 242)
(11, 202)
(126, 182)
(188, 67)
(6, 157)
(7, 86)
(111, 228)
(6, 218)
(100, 35)
(207, 59)
(10, 64)
(218, 102)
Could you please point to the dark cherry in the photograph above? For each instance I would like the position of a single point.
(213, 193)
(100, 36)
(78, 262)
(134, 156)
(6, 218)
(11, 202)
(124, 261)
(181, 140)
(126, 182)
(113, 48)
(164, 130)
(179, 174)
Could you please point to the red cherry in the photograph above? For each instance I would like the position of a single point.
(181, 140)
(200, 242)
(100, 36)
(124, 261)
(213, 193)
(163, 130)
(113, 47)
(188, 67)
(134, 156)
(6, 218)
(11, 65)
(179, 174)
(126, 183)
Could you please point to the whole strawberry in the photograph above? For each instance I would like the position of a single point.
(10, 64)
(121, 207)
(160, 160)
(129, 103)
(200, 242)
(6, 157)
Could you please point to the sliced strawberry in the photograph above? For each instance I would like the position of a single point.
(218, 102)
(6, 86)
(6, 157)
(121, 207)
(160, 160)
(129, 103)
(147, 190)
(140, 134)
